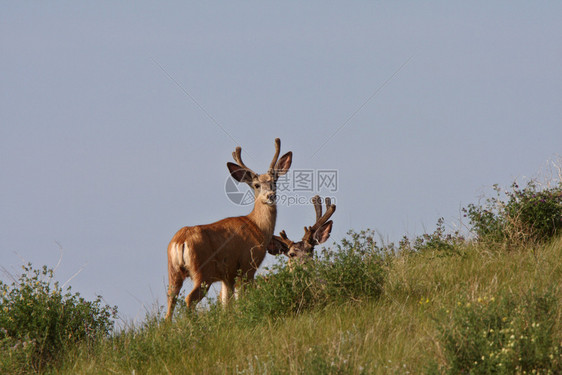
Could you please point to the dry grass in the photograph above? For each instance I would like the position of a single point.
(397, 333)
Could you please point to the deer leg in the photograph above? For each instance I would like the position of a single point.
(196, 294)
(243, 281)
(226, 292)
(176, 282)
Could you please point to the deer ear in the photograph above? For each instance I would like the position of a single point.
(323, 233)
(276, 246)
(239, 173)
(284, 164)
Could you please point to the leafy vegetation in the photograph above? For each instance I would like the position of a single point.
(503, 334)
(352, 273)
(39, 321)
(518, 215)
(439, 242)
(438, 303)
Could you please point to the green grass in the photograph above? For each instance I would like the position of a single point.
(435, 304)
(402, 330)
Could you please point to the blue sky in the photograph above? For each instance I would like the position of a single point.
(117, 120)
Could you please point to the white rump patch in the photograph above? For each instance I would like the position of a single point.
(181, 254)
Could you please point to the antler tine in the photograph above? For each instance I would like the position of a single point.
(237, 156)
(284, 238)
(330, 209)
(276, 156)
(317, 201)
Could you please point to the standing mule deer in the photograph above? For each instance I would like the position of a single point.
(314, 235)
(229, 248)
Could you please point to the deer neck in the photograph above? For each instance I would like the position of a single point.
(264, 216)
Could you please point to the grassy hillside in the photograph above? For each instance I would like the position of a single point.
(399, 332)
(403, 330)
(433, 304)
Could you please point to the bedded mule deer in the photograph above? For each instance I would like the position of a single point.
(232, 247)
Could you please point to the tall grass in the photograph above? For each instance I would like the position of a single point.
(405, 328)
(415, 325)
(435, 304)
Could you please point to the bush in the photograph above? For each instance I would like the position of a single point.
(518, 215)
(437, 242)
(352, 273)
(39, 322)
(503, 335)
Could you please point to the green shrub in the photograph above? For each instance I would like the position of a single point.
(437, 242)
(353, 272)
(503, 335)
(518, 215)
(356, 270)
(39, 321)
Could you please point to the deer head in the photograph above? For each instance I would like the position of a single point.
(314, 235)
(264, 185)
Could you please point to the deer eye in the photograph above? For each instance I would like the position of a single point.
(257, 185)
